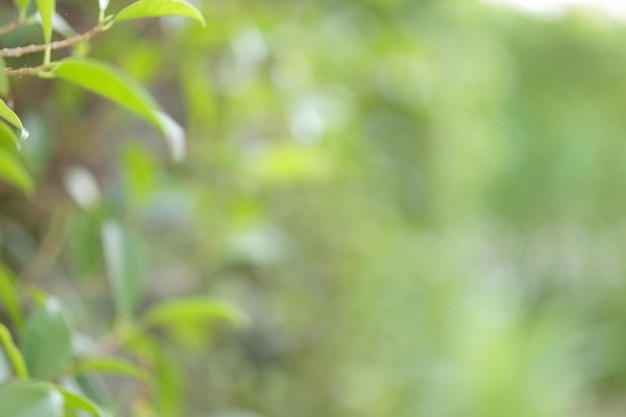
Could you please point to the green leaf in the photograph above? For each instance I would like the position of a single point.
(153, 8)
(30, 399)
(195, 309)
(125, 266)
(8, 137)
(13, 172)
(22, 6)
(112, 366)
(77, 402)
(10, 297)
(119, 88)
(46, 341)
(13, 353)
(9, 115)
(4, 80)
(46, 11)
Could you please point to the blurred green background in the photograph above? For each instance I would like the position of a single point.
(420, 205)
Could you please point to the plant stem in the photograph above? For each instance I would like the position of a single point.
(13, 353)
(65, 43)
(11, 26)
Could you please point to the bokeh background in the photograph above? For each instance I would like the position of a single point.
(421, 205)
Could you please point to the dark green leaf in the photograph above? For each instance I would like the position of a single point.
(30, 399)
(121, 89)
(153, 8)
(46, 341)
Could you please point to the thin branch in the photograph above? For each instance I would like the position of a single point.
(21, 72)
(65, 43)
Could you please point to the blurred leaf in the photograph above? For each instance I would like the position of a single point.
(13, 353)
(140, 173)
(125, 266)
(4, 80)
(12, 171)
(153, 8)
(30, 399)
(77, 402)
(46, 341)
(112, 366)
(10, 297)
(194, 310)
(8, 137)
(22, 6)
(9, 115)
(84, 248)
(123, 90)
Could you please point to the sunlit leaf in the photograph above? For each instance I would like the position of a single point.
(112, 366)
(124, 263)
(153, 8)
(9, 296)
(13, 353)
(13, 172)
(123, 90)
(196, 309)
(46, 341)
(30, 399)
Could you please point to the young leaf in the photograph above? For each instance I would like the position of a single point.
(46, 11)
(121, 89)
(8, 137)
(9, 296)
(112, 366)
(153, 8)
(13, 353)
(9, 115)
(30, 399)
(12, 171)
(124, 265)
(196, 309)
(22, 7)
(46, 341)
(77, 402)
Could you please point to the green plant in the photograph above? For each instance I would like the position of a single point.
(51, 366)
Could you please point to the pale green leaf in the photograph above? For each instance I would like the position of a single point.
(194, 310)
(153, 8)
(13, 172)
(112, 366)
(30, 399)
(125, 266)
(46, 341)
(10, 297)
(121, 89)
(8, 138)
(46, 11)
